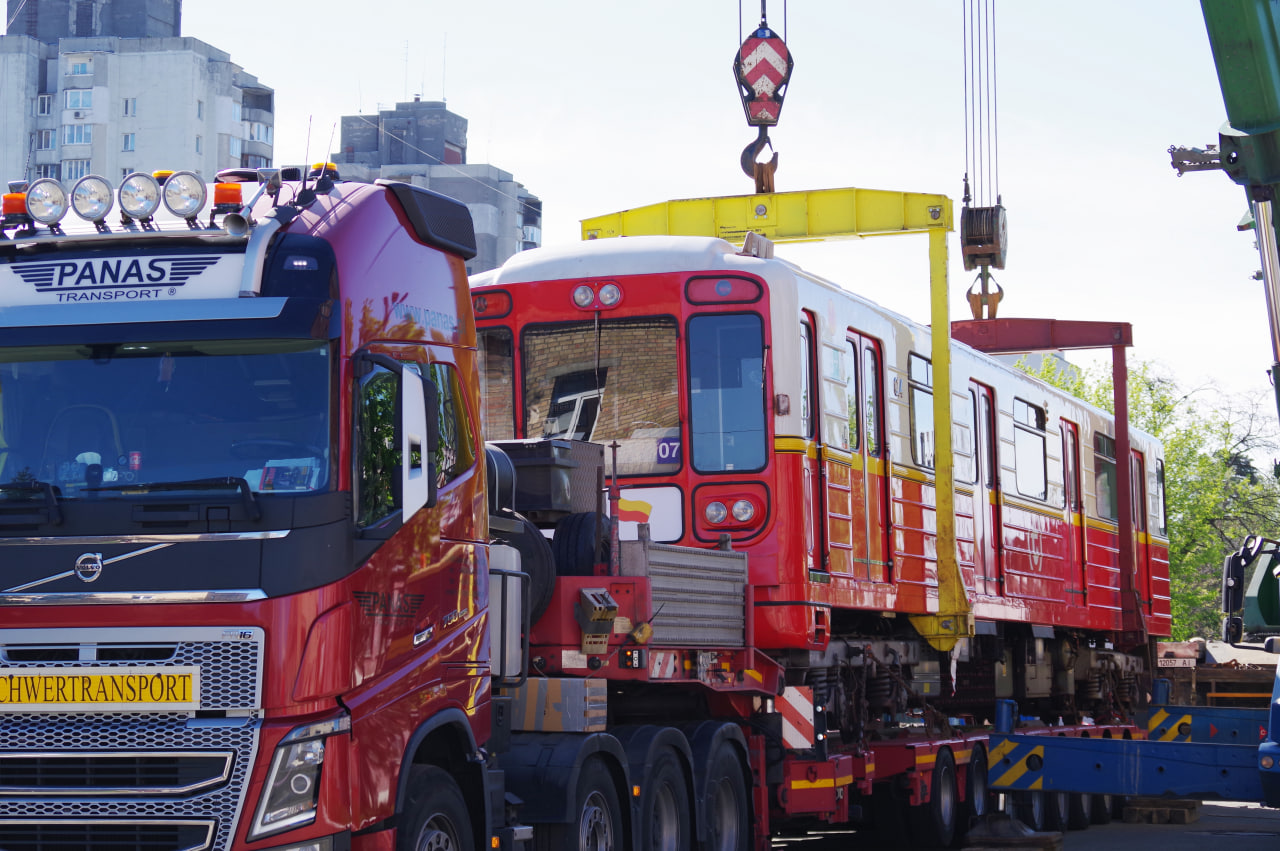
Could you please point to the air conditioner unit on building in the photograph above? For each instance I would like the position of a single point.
(78, 115)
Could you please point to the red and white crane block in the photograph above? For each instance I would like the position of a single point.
(763, 67)
(795, 705)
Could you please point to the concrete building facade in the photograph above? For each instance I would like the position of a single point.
(423, 143)
(107, 87)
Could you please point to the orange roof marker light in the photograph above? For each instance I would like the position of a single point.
(15, 204)
(227, 198)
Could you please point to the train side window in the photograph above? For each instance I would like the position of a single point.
(855, 401)
(871, 399)
(1137, 491)
(806, 380)
(1070, 466)
(1162, 525)
(1029, 449)
(497, 375)
(920, 380)
(1104, 472)
(963, 442)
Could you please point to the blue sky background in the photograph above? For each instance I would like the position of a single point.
(599, 107)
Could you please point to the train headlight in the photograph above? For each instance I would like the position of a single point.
(139, 196)
(1267, 762)
(743, 511)
(583, 296)
(92, 198)
(610, 294)
(184, 194)
(47, 201)
(715, 512)
(291, 793)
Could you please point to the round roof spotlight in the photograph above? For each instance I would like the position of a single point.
(47, 201)
(715, 512)
(743, 511)
(184, 194)
(139, 195)
(610, 294)
(92, 198)
(583, 296)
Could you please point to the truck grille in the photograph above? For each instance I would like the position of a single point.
(108, 781)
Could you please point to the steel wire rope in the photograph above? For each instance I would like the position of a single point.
(14, 16)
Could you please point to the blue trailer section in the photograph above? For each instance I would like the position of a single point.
(1207, 753)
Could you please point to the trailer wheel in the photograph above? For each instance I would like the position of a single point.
(1079, 811)
(665, 824)
(1102, 807)
(435, 814)
(1057, 810)
(597, 821)
(726, 807)
(977, 785)
(936, 820)
(1029, 808)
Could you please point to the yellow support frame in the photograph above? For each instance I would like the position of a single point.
(844, 214)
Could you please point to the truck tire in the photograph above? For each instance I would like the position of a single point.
(977, 785)
(1057, 810)
(435, 814)
(597, 816)
(537, 561)
(1029, 808)
(1079, 811)
(665, 823)
(728, 820)
(574, 544)
(1102, 807)
(935, 821)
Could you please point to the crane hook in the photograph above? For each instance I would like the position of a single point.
(761, 172)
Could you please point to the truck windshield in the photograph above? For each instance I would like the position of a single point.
(612, 381)
(89, 420)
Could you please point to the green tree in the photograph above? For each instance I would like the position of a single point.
(1215, 495)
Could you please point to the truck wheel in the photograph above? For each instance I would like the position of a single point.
(727, 817)
(935, 821)
(435, 814)
(664, 808)
(1029, 808)
(977, 786)
(1079, 811)
(1102, 806)
(597, 816)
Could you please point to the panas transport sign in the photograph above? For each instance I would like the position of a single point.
(124, 278)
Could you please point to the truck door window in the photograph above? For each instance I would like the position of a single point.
(378, 449)
(454, 451)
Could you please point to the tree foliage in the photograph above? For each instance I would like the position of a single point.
(1215, 495)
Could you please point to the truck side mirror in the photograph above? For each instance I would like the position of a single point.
(1233, 583)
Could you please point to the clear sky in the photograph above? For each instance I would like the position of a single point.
(601, 106)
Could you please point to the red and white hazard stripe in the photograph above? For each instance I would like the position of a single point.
(663, 665)
(796, 707)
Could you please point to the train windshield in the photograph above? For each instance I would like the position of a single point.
(616, 380)
(726, 392)
(99, 421)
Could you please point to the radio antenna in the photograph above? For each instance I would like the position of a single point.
(306, 155)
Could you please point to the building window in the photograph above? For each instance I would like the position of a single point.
(130, 106)
(259, 132)
(130, 142)
(200, 109)
(253, 161)
(77, 134)
(49, 170)
(199, 144)
(46, 139)
(74, 169)
(44, 104)
(79, 98)
(235, 147)
(237, 112)
(79, 67)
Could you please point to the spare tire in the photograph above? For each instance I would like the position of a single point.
(574, 545)
(537, 561)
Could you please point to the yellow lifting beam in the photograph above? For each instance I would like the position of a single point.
(834, 214)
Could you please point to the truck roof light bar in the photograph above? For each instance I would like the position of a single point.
(46, 201)
(185, 194)
(92, 198)
(139, 196)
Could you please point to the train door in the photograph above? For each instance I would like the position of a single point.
(874, 456)
(1141, 551)
(987, 536)
(1078, 577)
(814, 503)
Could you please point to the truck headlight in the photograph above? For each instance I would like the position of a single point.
(292, 790)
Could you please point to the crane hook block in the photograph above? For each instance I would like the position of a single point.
(763, 68)
(984, 237)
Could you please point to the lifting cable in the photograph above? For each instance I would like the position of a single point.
(983, 228)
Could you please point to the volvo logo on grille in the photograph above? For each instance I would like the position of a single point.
(89, 566)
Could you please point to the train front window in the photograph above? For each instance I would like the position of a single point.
(726, 392)
(610, 381)
(97, 421)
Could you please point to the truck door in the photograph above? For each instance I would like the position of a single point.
(986, 494)
(1077, 570)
